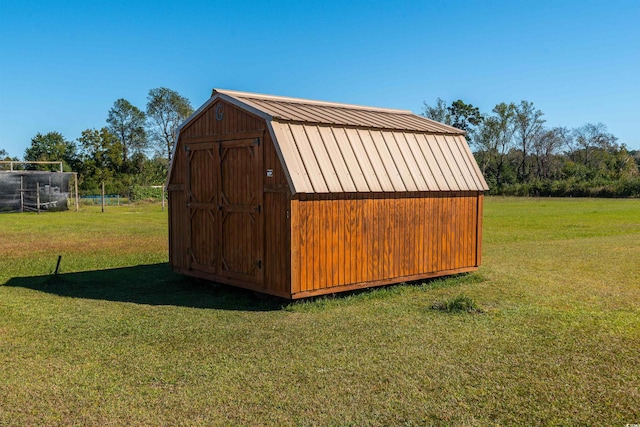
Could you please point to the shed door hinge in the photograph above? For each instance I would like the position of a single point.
(259, 263)
(256, 141)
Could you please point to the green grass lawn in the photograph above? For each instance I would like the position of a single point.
(117, 339)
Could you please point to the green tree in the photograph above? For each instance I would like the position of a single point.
(126, 122)
(166, 110)
(546, 147)
(465, 116)
(52, 147)
(439, 112)
(494, 139)
(4, 156)
(101, 154)
(528, 125)
(591, 140)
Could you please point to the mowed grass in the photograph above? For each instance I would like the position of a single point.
(117, 339)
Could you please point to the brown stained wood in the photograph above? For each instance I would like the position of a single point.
(310, 244)
(320, 246)
(479, 230)
(387, 238)
(369, 236)
(383, 282)
(363, 254)
(468, 231)
(297, 239)
(341, 239)
(356, 261)
(422, 233)
(412, 233)
(335, 260)
(308, 247)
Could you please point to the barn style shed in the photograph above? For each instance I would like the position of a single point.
(296, 198)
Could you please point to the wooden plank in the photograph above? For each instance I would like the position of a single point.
(341, 241)
(258, 158)
(188, 243)
(297, 242)
(388, 239)
(356, 261)
(468, 234)
(440, 248)
(353, 225)
(368, 230)
(308, 265)
(360, 260)
(233, 282)
(420, 230)
(335, 259)
(175, 187)
(218, 172)
(321, 244)
(479, 230)
(382, 282)
(411, 231)
(277, 188)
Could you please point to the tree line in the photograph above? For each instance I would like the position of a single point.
(516, 152)
(519, 155)
(132, 151)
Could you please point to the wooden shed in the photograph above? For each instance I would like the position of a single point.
(296, 198)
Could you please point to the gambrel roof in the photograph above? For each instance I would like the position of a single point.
(328, 147)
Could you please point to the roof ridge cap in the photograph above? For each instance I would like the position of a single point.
(258, 96)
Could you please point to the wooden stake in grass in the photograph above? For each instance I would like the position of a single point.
(58, 265)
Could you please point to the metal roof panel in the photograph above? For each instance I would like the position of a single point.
(340, 148)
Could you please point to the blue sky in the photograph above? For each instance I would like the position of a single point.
(64, 63)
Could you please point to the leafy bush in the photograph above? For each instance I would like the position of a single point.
(597, 187)
(139, 192)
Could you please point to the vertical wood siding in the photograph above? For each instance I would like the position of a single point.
(177, 202)
(312, 243)
(193, 231)
(359, 239)
(277, 262)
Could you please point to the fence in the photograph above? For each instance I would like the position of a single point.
(109, 199)
(34, 191)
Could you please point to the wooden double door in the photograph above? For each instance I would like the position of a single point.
(224, 198)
